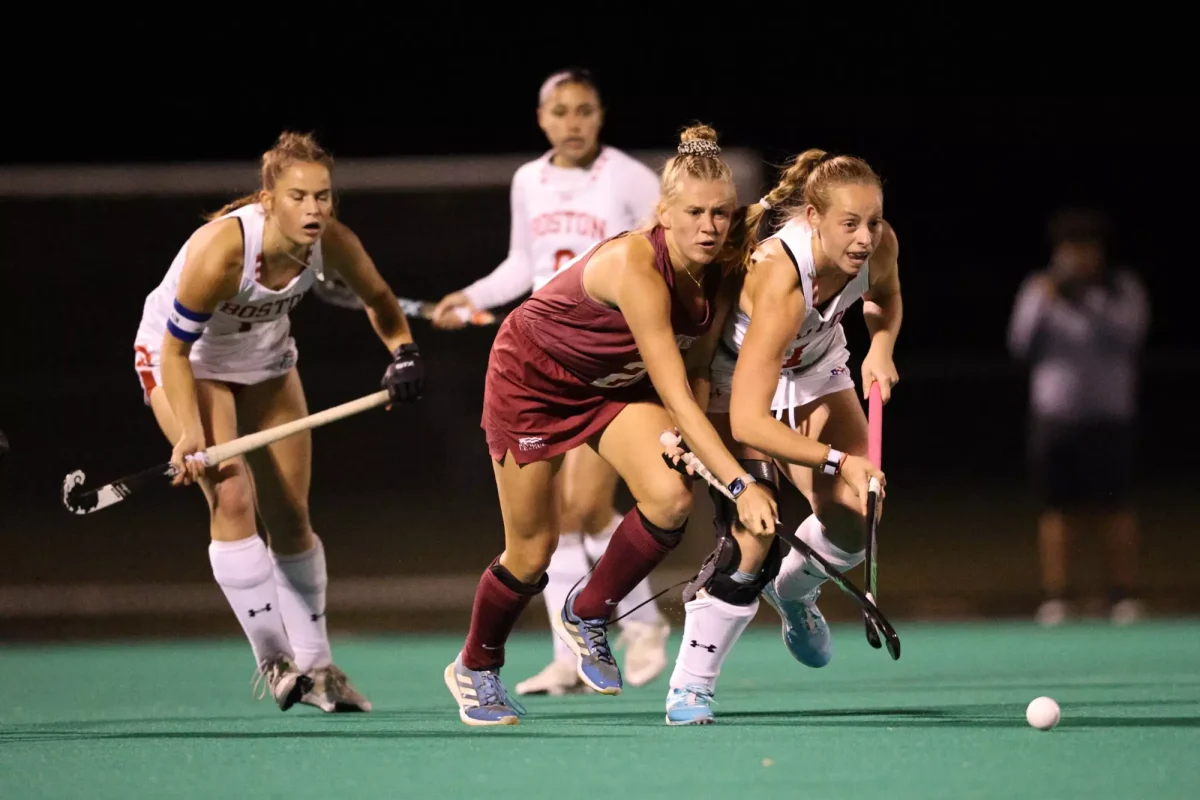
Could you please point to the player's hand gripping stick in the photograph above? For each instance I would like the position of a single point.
(688, 463)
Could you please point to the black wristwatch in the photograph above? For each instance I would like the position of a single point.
(738, 485)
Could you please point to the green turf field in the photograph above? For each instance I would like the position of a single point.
(178, 720)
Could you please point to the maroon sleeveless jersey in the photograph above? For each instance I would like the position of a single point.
(564, 365)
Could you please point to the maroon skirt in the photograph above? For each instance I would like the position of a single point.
(535, 408)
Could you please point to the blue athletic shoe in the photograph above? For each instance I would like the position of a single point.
(805, 631)
(481, 696)
(691, 705)
(588, 638)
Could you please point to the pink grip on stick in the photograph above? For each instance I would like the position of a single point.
(875, 426)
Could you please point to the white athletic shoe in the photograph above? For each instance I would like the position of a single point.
(557, 679)
(1128, 611)
(280, 676)
(645, 645)
(1053, 613)
(332, 693)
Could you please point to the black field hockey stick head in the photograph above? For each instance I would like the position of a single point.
(86, 501)
(872, 560)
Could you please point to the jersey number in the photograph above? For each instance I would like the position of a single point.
(561, 257)
(793, 358)
(632, 373)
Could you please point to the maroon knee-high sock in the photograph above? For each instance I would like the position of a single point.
(631, 555)
(499, 601)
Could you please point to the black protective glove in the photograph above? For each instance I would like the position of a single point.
(405, 376)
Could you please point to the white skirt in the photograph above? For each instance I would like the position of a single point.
(264, 352)
(825, 376)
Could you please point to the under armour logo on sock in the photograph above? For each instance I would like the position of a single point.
(316, 617)
(262, 610)
(712, 648)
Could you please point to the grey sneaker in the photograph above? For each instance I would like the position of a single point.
(589, 639)
(287, 684)
(332, 693)
(481, 696)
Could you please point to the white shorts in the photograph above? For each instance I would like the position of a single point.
(825, 376)
(242, 359)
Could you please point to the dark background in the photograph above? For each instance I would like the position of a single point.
(406, 496)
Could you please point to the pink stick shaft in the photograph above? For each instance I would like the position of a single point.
(875, 426)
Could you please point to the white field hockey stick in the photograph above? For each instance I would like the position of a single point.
(670, 439)
(79, 501)
(334, 291)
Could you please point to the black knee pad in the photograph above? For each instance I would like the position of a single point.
(668, 539)
(716, 574)
(510, 580)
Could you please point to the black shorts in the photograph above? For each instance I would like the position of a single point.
(1085, 466)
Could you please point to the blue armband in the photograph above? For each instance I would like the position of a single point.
(186, 325)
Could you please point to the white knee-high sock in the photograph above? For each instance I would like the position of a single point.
(797, 575)
(243, 571)
(711, 627)
(568, 564)
(648, 613)
(301, 580)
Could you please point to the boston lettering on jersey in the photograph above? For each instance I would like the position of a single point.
(576, 223)
(271, 309)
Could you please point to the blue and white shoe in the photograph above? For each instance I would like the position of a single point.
(481, 696)
(691, 705)
(805, 631)
(588, 638)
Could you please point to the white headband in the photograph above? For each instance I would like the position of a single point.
(548, 87)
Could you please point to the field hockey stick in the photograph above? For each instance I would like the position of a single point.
(337, 293)
(79, 501)
(875, 456)
(424, 310)
(689, 459)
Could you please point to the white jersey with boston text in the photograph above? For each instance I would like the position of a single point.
(822, 328)
(814, 363)
(248, 338)
(558, 213)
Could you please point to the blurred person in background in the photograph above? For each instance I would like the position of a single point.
(578, 193)
(1080, 325)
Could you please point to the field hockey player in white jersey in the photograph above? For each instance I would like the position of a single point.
(784, 399)
(216, 360)
(578, 193)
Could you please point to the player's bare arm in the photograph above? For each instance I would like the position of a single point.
(774, 293)
(211, 275)
(345, 254)
(623, 274)
(883, 312)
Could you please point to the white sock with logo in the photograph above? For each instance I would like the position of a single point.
(244, 571)
(301, 580)
(711, 627)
